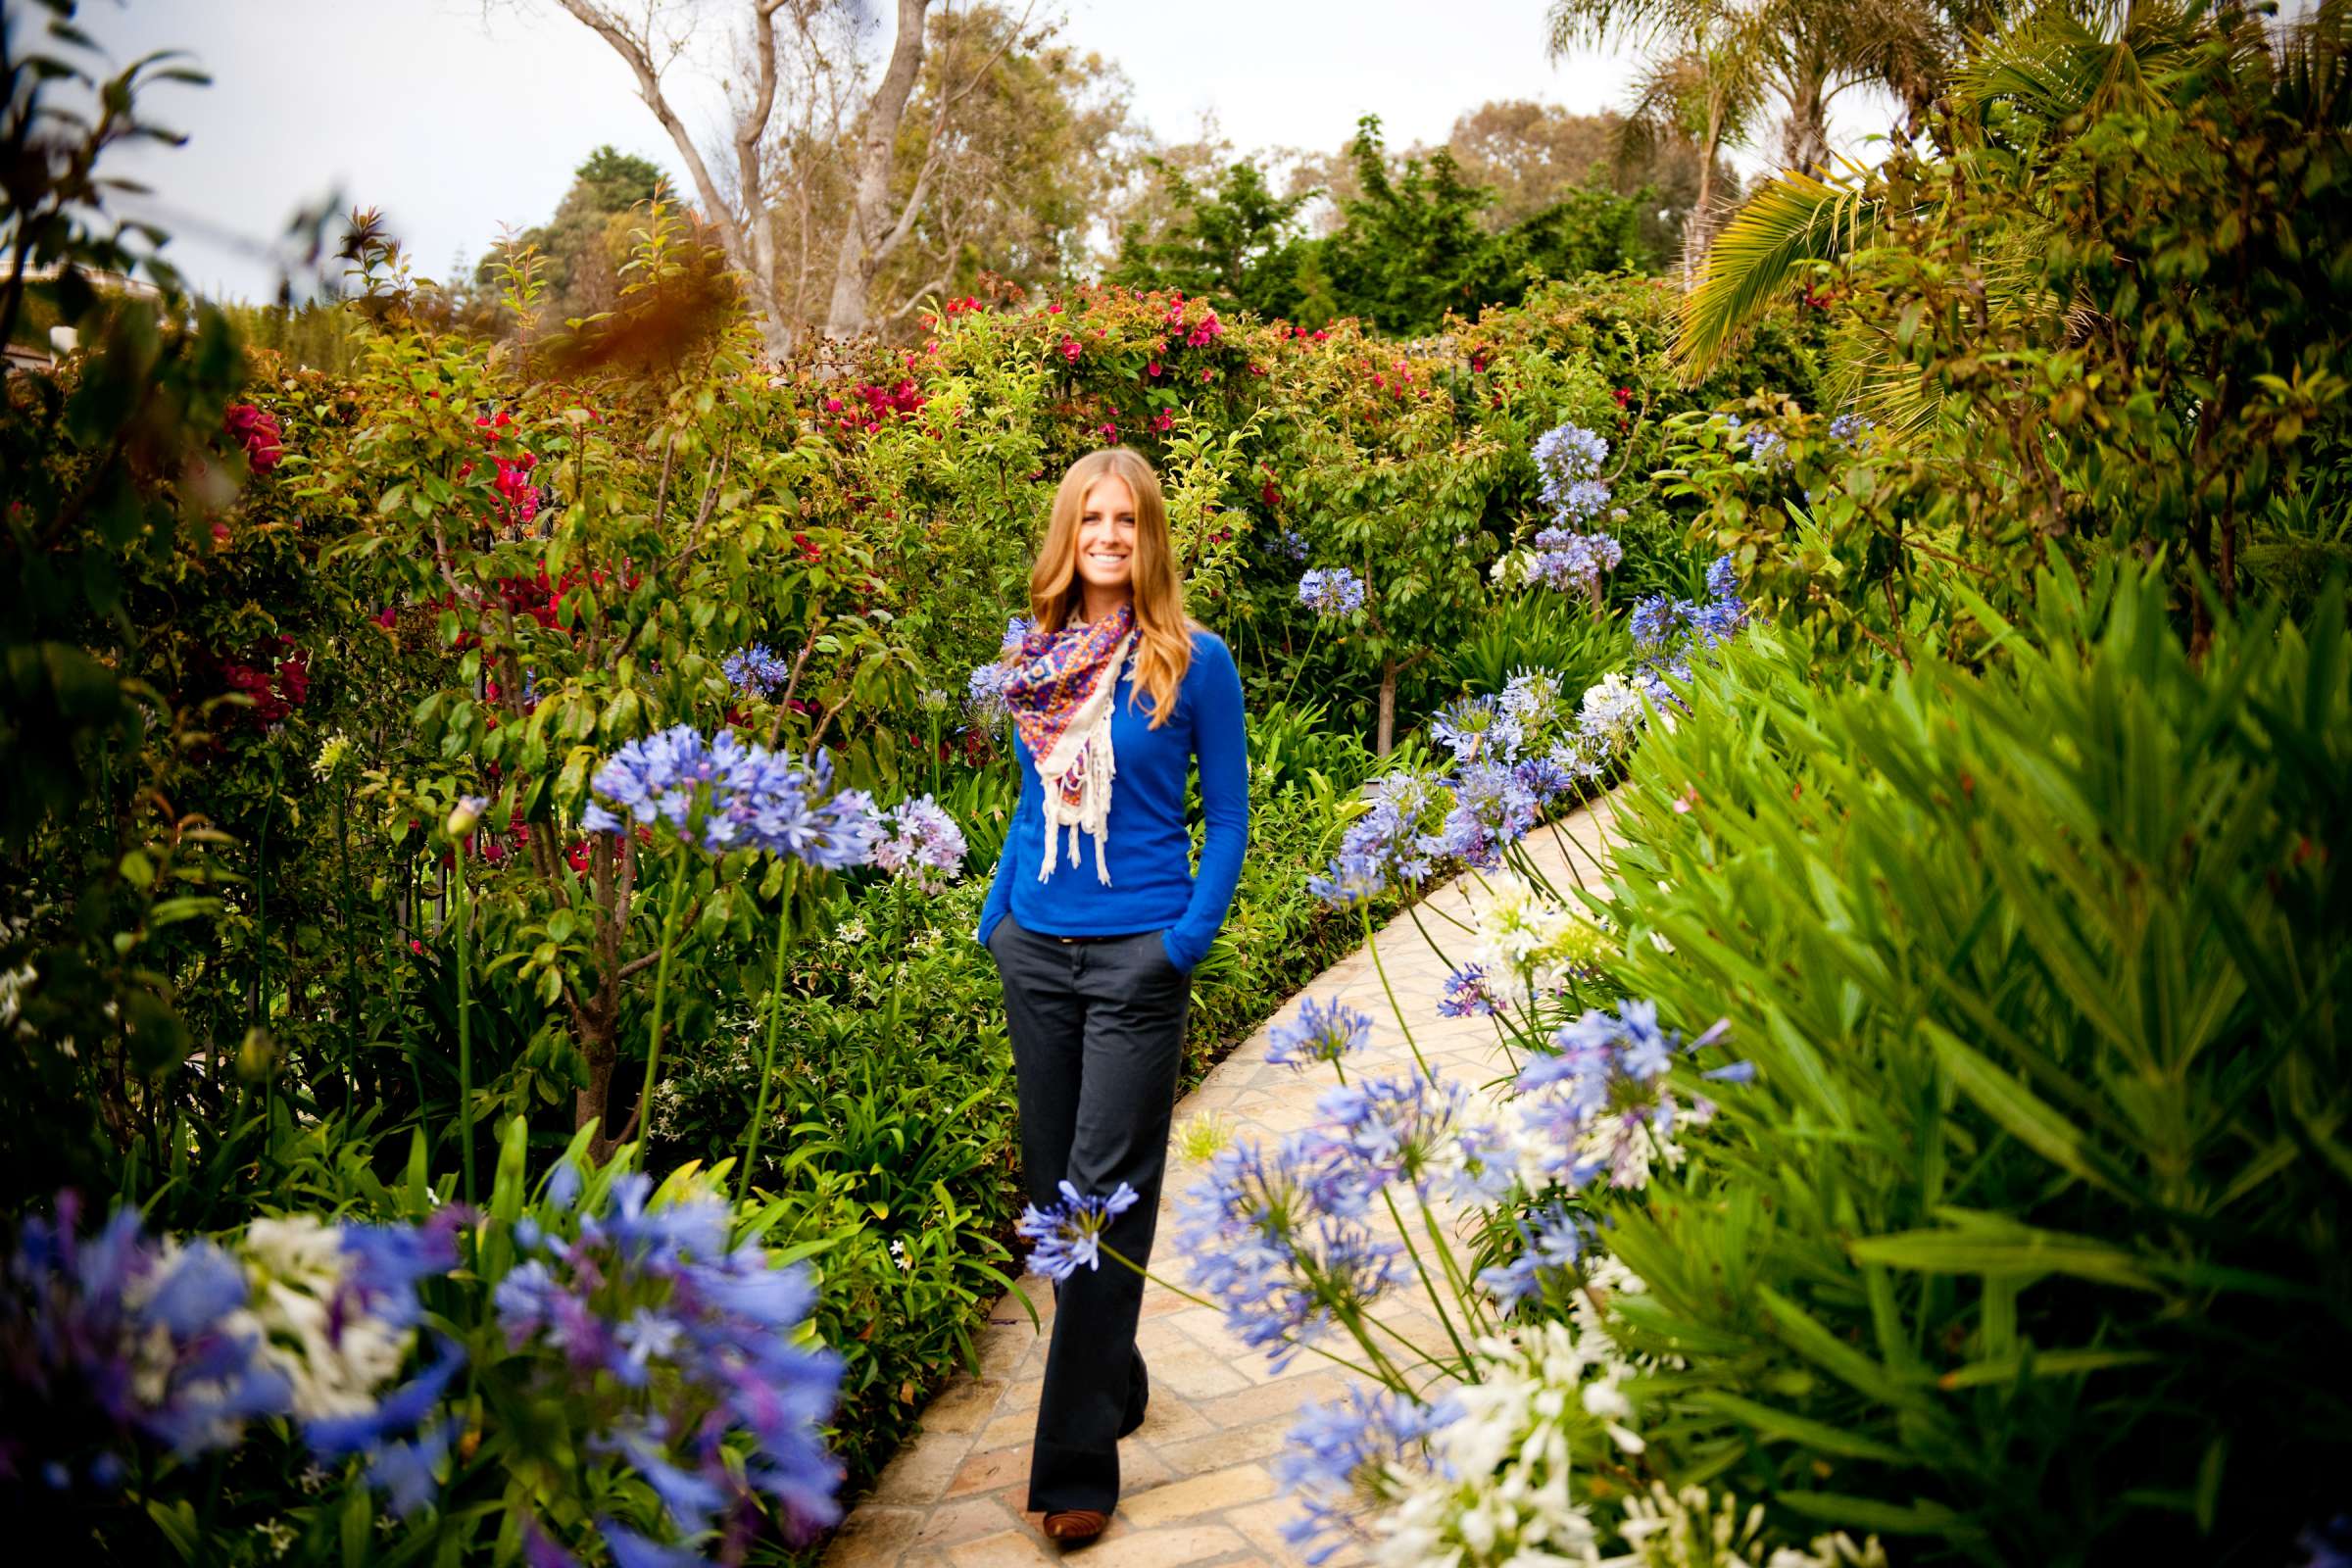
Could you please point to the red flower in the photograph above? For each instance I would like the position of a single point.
(258, 431)
(1152, 368)
(1624, 395)
(1070, 349)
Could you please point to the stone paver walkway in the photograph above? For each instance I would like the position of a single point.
(1197, 1482)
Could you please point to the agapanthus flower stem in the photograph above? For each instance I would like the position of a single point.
(1300, 668)
(643, 1122)
(767, 1066)
(1414, 910)
(1471, 1312)
(1390, 992)
(464, 1025)
(1173, 1288)
(1444, 1318)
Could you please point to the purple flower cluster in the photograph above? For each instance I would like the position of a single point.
(1335, 1460)
(1290, 544)
(1270, 1239)
(1068, 1236)
(1476, 729)
(1608, 1068)
(1383, 848)
(1851, 430)
(1766, 446)
(1469, 994)
(1332, 591)
(924, 844)
(1379, 1130)
(1554, 1245)
(1568, 462)
(116, 1337)
(401, 1439)
(1493, 807)
(756, 671)
(1320, 1032)
(984, 687)
(721, 794)
(1565, 560)
(984, 692)
(714, 1397)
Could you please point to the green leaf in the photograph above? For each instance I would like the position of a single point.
(2023, 1114)
(1775, 1425)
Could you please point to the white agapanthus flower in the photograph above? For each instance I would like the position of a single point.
(1694, 1528)
(1499, 1488)
(1525, 935)
(1611, 710)
(336, 1361)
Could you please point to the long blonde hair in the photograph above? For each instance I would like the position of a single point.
(1056, 594)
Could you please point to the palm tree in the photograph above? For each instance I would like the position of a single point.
(2057, 65)
(1702, 98)
(1802, 53)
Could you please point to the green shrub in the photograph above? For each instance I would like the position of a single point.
(2027, 1239)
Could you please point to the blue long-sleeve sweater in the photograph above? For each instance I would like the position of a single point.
(1152, 885)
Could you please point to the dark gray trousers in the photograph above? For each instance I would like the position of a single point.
(1097, 1043)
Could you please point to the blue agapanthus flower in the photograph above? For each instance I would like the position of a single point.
(1384, 1130)
(924, 845)
(1476, 729)
(1332, 591)
(402, 1441)
(659, 1297)
(1554, 1245)
(1384, 847)
(1265, 1238)
(1850, 429)
(1068, 1236)
(1320, 1031)
(1766, 445)
(1469, 994)
(113, 1338)
(718, 794)
(756, 671)
(1569, 460)
(1566, 560)
(1493, 807)
(1332, 1461)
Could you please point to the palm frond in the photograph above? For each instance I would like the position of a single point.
(2314, 80)
(2058, 64)
(1795, 220)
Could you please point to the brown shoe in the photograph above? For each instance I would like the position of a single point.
(1072, 1526)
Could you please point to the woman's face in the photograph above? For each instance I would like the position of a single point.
(1107, 535)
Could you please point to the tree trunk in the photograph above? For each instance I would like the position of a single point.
(1806, 139)
(748, 239)
(861, 240)
(1383, 733)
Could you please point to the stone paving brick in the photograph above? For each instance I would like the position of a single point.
(1172, 1547)
(1197, 1479)
(1213, 1491)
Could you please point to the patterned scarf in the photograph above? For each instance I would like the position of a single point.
(1061, 694)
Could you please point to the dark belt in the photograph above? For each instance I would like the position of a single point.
(1076, 941)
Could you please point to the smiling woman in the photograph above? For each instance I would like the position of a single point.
(1115, 682)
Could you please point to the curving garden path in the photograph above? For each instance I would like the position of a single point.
(1198, 1488)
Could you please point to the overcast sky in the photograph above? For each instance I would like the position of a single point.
(453, 121)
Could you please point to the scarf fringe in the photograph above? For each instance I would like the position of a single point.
(1079, 797)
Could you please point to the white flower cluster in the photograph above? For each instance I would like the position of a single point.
(1694, 1528)
(1523, 934)
(1497, 1487)
(310, 1324)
